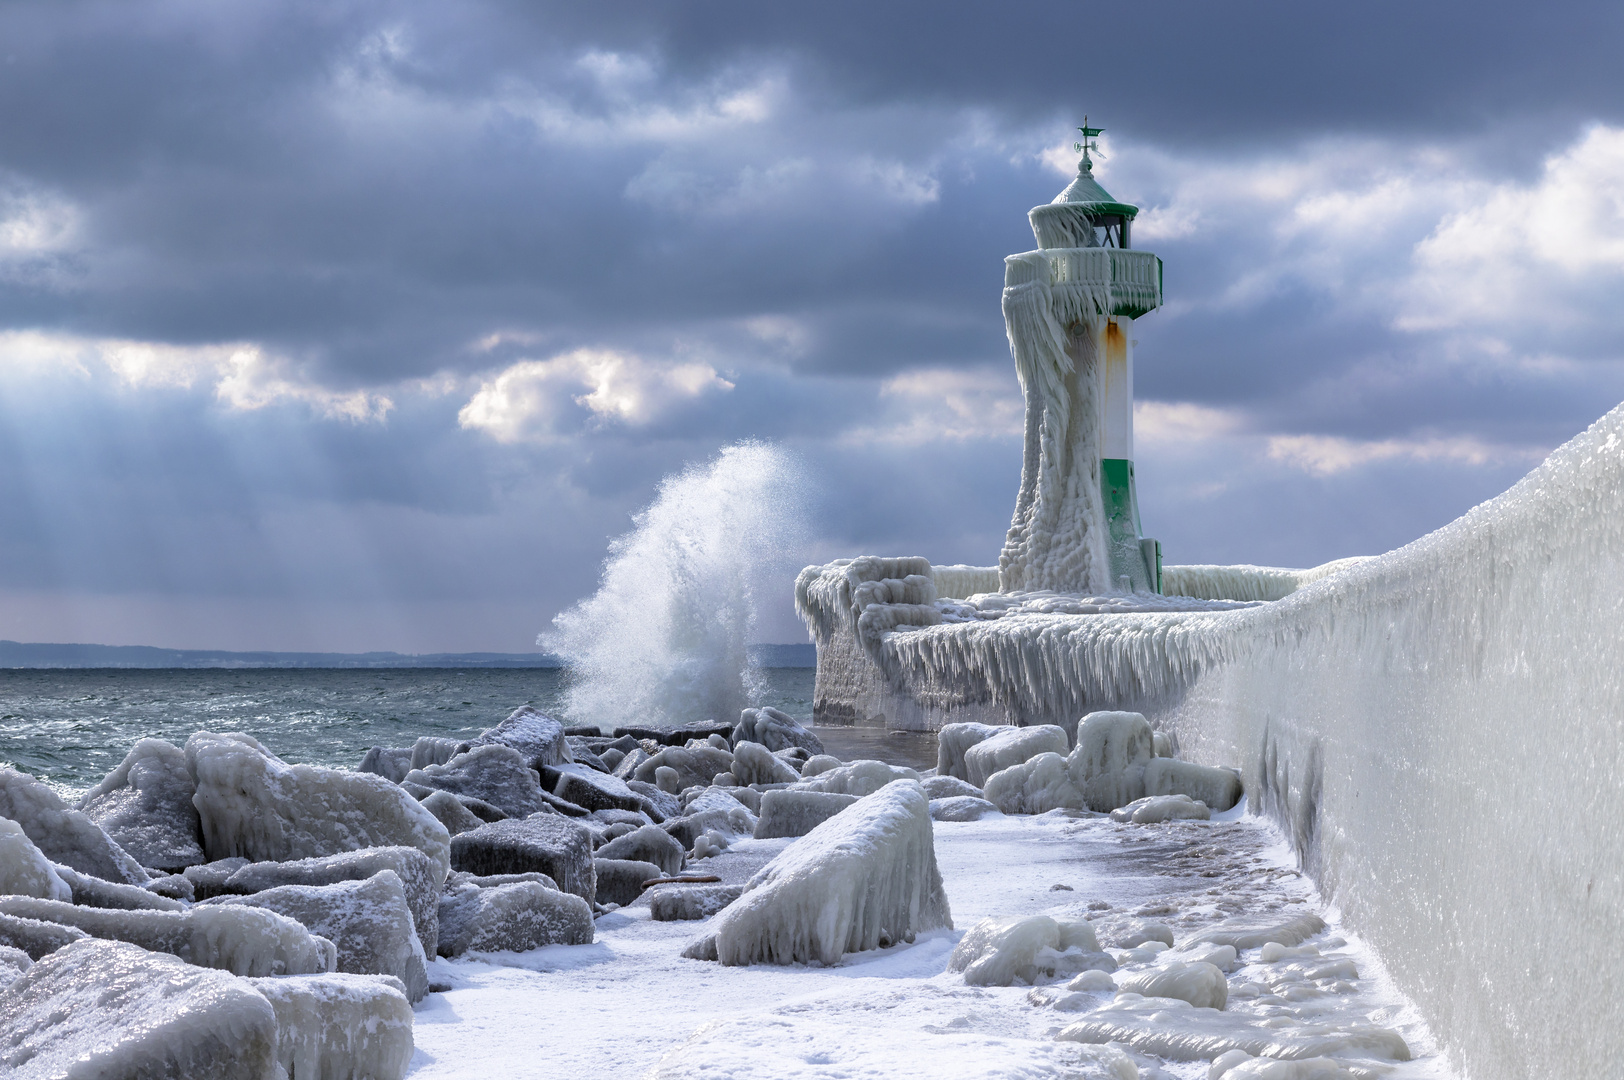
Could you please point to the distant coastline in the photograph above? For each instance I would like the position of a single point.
(44, 655)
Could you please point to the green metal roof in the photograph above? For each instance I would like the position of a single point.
(1085, 192)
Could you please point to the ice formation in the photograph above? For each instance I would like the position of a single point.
(390, 762)
(593, 790)
(1245, 582)
(550, 843)
(243, 941)
(13, 962)
(1157, 808)
(511, 917)
(537, 738)
(789, 812)
(665, 636)
(367, 921)
(961, 808)
(863, 777)
(954, 741)
(865, 878)
(947, 787)
(1001, 952)
(678, 903)
(254, 804)
(339, 1027)
(1218, 789)
(775, 730)
(109, 1009)
(650, 843)
(620, 881)
(63, 834)
(35, 937)
(753, 763)
(145, 806)
(1254, 932)
(91, 891)
(1011, 746)
(451, 812)
(1239, 1065)
(494, 774)
(693, 765)
(1197, 982)
(24, 869)
(417, 873)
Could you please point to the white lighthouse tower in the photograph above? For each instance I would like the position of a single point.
(1069, 309)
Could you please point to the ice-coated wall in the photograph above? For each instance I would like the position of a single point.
(1440, 730)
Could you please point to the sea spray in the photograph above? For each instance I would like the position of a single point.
(664, 639)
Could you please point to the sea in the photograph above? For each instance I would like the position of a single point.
(70, 727)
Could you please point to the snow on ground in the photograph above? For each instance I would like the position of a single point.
(627, 1004)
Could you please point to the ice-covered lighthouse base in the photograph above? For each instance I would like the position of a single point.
(1437, 730)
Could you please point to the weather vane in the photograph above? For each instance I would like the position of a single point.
(1088, 142)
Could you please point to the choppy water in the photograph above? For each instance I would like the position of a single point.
(71, 727)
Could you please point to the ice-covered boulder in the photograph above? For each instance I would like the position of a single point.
(24, 869)
(1001, 952)
(109, 1009)
(948, 787)
(210, 879)
(493, 774)
(953, 741)
(1201, 984)
(593, 790)
(557, 846)
(94, 892)
(243, 941)
(339, 1027)
(864, 879)
(416, 871)
(649, 843)
(626, 767)
(961, 808)
(436, 750)
(539, 739)
(775, 730)
(1012, 746)
(13, 962)
(35, 937)
(1218, 789)
(1035, 787)
(1239, 1065)
(511, 918)
(711, 810)
(692, 766)
(659, 805)
(1109, 742)
(1153, 809)
(450, 812)
(818, 764)
(859, 778)
(620, 881)
(367, 921)
(64, 835)
(792, 812)
(1130, 931)
(390, 762)
(145, 805)
(753, 763)
(1252, 931)
(254, 804)
(686, 903)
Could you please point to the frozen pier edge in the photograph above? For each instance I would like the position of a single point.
(1436, 730)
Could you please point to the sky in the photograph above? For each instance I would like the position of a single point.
(351, 325)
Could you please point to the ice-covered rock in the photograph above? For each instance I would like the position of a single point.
(1218, 789)
(511, 918)
(94, 892)
(367, 921)
(418, 875)
(581, 753)
(593, 790)
(793, 812)
(955, 740)
(626, 767)
(1199, 983)
(458, 879)
(620, 881)
(1250, 932)
(649, 843)
(450, 812)
(948, 787)
(753, 763)
(109, 1009)
(679, 903)
(659, 805)
(1157, 808)
(253, 804)
(1239, 1065)
(1170, 1028)
(557, 846)
(1012, 746)
(865, 878)
(1035, 787)
(64, 835)
(775, 730)
(1130, 931)
(24, 869)
(818, 764)
(35, 937)
(711, 810)
(859, 778)
(174, 886)
(339, 1027)
(210, 879)
(491, 773)
(539, 739)
(145, 806)
(961, 808)
(692, 766)
(1001, 952)
(243, 941)
(13, 962)
(1109, 742)
(436, 750)
(390, 762)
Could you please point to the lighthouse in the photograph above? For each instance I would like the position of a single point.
(1069, 310)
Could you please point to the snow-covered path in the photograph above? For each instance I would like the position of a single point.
(629, 1002)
